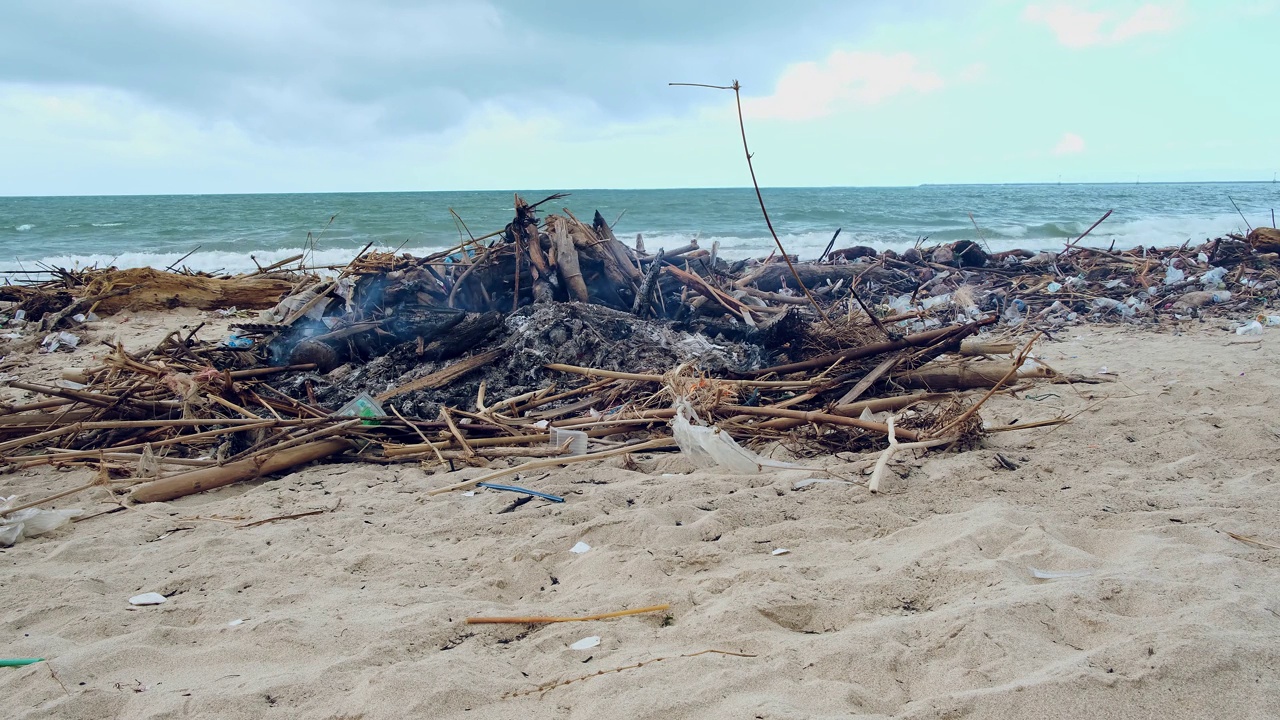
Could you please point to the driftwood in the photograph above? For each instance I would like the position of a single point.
(149, 289)
(566, 258)
(1264, 239)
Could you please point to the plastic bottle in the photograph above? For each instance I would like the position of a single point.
(1106, 305)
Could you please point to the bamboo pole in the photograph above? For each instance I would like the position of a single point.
(267, 463)
(816, 417)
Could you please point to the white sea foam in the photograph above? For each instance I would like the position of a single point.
(110, 224)
(217, 261)
(24, 227)
(1143, 232)
(1043, 235)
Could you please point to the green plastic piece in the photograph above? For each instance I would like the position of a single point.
(19, 662)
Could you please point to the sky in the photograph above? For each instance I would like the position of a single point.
(246, 96)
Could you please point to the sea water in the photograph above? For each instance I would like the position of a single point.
(229, 233)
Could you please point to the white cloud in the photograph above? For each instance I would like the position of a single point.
(1076, 27)
(811, 90)
(1146, 20)
(1070, 144)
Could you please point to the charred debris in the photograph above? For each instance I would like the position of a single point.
(552, 341)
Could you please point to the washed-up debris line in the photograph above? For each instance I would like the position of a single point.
(552, 341)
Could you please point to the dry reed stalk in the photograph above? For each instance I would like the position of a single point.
(536, 464)
(539, 620)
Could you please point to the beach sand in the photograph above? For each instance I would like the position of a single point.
(917, 602)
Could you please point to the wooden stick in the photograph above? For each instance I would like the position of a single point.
(815, 416)
(638, 377)
(538, 620)
(138, 446)
(1017, 363)
(869, 379)
(462, 441)
(855, 409)
(51, 498)
(924, 338)
(446, 375)
(894, 446)
(663, 444)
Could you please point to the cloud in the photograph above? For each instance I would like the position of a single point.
(1076, 27)
(810, 90)
(1070, 144)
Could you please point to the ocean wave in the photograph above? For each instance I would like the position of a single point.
(24, 227)
(110, 224)
(1006, 235)
(214, 261)
(1049, 235)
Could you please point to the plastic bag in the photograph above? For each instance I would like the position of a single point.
(31, 522)
(1213, 279)
(1253, 328)
(711, 447)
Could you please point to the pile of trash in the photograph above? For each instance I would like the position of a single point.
(552, 341)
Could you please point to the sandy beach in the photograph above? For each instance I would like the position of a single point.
(919, 602)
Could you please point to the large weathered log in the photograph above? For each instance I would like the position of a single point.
(618, 288)
(444, 376)
(567, 258)
(775, 276)
(474, 330)
(918, 340)
(645, 294)
(150, 289)
(526, 237)
(620, 252)
(1265, 239)
(967, 376)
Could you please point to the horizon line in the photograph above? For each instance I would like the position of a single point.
(643, 189)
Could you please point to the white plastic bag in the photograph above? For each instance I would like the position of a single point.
(30, 522)
(711, 447)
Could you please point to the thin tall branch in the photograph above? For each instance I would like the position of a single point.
(737, 96)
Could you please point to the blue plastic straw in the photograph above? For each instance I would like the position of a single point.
(526, 491)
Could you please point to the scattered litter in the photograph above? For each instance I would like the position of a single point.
(469, 493)
(586, 643)
(236, 622)
(711, 447)
(1039, 574)
(151, 598)
(815, 481)
(53, 341)
(526, 491)
(30, 522)
(580, 548)
(781, 551)
(362, 406)
(1252, 328)
(577, 440)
